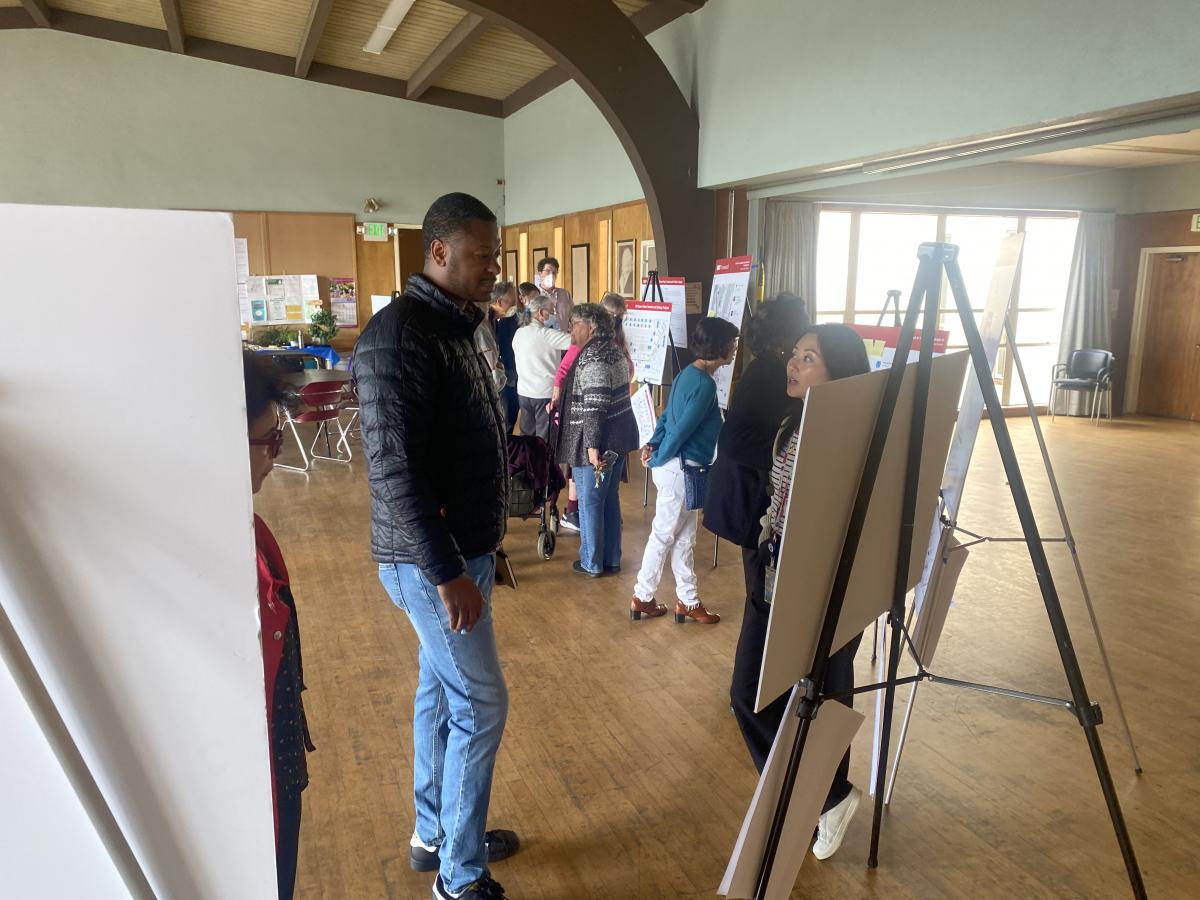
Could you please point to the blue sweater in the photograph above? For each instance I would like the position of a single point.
(690, 423)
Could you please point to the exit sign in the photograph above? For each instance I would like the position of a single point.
(375, 231)
(1196, 222)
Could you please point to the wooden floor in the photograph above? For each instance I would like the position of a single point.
(623, 770)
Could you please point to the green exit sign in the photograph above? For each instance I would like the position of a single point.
(1196, 222)
(375, 231)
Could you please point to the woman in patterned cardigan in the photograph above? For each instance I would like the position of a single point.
(598, 431)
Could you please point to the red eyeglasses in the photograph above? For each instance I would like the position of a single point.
(273, 441)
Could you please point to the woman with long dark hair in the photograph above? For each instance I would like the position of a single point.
(824, 353)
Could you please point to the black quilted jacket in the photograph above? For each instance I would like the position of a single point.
(433, 431)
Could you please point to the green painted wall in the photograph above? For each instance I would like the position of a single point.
(94, 123)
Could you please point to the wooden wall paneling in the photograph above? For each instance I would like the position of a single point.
(541, 236)
(1169, 383)
(602, 266)
(557, 250)
(579, 228)
(511, 236)
(1167, 229)
(311, 243)
(523, 258)
(411, 249)
(376, 263)
(253, 227)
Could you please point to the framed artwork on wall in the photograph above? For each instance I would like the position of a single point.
(510, 265)
(649, 259)
(625, 269)
(579, 273)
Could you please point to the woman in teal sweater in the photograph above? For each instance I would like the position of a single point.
(686, 436)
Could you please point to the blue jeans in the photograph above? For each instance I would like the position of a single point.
(459, 712)
(599, 517)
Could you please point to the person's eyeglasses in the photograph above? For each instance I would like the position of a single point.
(273, 441)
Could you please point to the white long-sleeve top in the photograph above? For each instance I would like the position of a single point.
(538, 351)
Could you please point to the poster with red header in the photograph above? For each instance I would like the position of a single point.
(881, 342)
(731, 285)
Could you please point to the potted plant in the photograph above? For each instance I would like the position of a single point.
(323, 328)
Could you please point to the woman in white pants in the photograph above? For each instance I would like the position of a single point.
(686, 435)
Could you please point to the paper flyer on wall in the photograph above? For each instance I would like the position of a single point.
(310, 296)
(244, 302)
(643, 412)
(731, 284)
(881, 342)
(674, 291)
(646, 327)
(343, 300)
(379, 301)
(241, 253)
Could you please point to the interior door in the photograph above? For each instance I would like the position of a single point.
(376, 273)
(1170, 381)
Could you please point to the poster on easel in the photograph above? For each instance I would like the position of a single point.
(731, 285)
(343, 301)
(881, 342)
(674, 291)
(647, 327)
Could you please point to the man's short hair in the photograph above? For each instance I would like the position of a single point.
(548, 261)
(526, 288)
(500, 289)
(450, 215)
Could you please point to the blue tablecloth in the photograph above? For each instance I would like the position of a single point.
(326, 353)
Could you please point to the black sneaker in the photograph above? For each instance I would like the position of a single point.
(500, 844)
(569, 522)
(483, 889)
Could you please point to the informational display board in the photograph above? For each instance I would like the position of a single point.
(283, 299)
(674, 291)
(647, 327)
(145, 629)
(343, 300)
(835, 431)
(882, 340)
(731, 285)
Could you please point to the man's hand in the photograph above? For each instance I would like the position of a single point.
(647, 452)
(593, 456)
(463, 601)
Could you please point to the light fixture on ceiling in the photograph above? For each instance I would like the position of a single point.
(372, 205)
(388, 23)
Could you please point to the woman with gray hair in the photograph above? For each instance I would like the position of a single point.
(598, 432)
(537, 349)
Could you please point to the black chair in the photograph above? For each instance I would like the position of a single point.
(1087, 370)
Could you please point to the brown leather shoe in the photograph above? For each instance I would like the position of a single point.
(647, 608)
(697, 612)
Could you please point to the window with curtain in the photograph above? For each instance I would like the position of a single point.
(862, 253)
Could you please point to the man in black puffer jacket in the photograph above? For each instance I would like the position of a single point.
(434, 433)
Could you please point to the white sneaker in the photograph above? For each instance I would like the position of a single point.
(831, 827)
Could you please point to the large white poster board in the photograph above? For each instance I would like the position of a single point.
(126, 483)
(647, 327)
(674, 292)
(835, 432)
(731, 284)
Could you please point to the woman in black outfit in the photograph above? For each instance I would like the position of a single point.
(824, 353)
(737, 485)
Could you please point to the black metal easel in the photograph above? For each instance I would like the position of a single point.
(893, 300)
(934, 259)
(652, 293)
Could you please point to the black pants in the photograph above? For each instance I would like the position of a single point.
(759, 728)
(287, 843)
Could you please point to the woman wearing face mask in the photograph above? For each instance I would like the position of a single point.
(287, 728)
(824, 353)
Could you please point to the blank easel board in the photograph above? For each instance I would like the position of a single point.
(126, 518)
(927, 629)
(834, 435)
(830, 734)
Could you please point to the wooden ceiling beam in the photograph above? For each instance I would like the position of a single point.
(647, 20)
(446, 53)
(173, 18)
(40, 12)
(318, 15)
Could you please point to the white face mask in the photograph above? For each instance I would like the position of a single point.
(548, 281)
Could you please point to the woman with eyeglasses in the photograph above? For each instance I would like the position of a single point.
(287, 729)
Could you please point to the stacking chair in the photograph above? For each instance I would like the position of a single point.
(319, 402)
(1086, 370)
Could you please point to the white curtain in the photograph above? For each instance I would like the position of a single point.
(1087, 315)
(789, 254)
